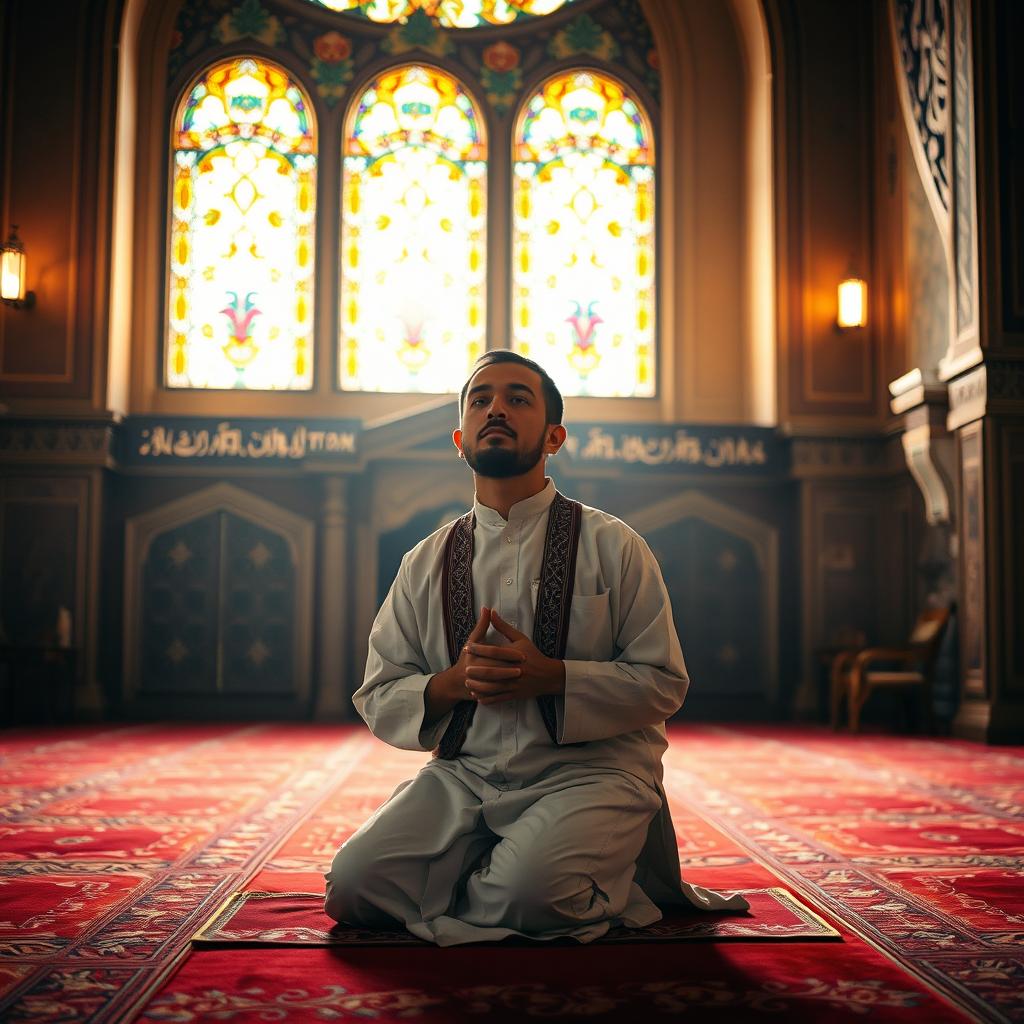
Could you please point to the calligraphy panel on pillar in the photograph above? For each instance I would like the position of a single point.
(240, 287)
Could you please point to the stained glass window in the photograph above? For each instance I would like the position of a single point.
(240, 297)
(449, 13)
(413, 236)
(583, 236)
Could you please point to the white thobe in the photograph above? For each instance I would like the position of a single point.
(624, 676)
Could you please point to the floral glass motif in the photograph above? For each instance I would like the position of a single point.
(583, 236)
(240, 297)
(413, 235)
(449, 13)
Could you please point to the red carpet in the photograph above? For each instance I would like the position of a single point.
(117, 844)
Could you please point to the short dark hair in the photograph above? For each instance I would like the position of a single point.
(554, 407)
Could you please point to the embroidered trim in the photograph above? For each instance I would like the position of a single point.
(551, 621)
(554, 596)
(457, 585)
(457, 608)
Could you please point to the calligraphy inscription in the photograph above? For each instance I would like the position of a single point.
(225, 441)
(680, 448)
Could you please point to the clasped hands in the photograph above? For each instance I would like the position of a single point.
(492, 674)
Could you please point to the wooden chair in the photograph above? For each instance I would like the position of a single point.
(855, 674)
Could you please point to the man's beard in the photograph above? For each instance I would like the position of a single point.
(499, 463)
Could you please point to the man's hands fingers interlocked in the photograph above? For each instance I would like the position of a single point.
(490, 670)
(492, 674)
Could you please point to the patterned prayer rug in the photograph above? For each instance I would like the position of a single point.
(117, 844)
(297, 919)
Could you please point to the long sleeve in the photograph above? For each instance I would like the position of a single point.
(391, 700)
(646, 681)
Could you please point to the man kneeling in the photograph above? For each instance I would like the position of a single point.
(531, 643)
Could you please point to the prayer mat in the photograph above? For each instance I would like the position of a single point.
(297, 919)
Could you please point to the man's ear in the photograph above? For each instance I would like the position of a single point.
(457, 439)
(555, 439)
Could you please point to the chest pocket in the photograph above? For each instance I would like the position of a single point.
(590, 629)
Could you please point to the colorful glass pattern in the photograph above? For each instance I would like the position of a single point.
(449, 13)
(240, 297)
(413, 235)
(583, 286)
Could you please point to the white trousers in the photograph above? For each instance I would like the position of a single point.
(456, 859)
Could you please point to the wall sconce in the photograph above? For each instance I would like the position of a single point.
(853, 303)
(12, 273)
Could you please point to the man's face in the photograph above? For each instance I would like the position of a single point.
(504, 422)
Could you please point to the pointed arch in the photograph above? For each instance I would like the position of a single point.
(242, 231)
(413, 234)
(583, 235)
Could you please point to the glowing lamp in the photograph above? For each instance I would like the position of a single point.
(12, 273)
(853, 303)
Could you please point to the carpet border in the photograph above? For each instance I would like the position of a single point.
(229, 906)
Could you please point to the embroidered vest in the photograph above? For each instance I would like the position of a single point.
(551, 617)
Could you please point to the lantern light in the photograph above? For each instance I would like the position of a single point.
(853, 303)
(13, 273)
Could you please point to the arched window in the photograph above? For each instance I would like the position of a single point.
(583, 236)
(240, 295)
(413, 234)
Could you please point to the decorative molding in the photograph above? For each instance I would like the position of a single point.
(967, 398)
(927, 444)
(845, 457)
(50, 441)
(914, 389)
(917, 446)
(952, 365)
(997, 386)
